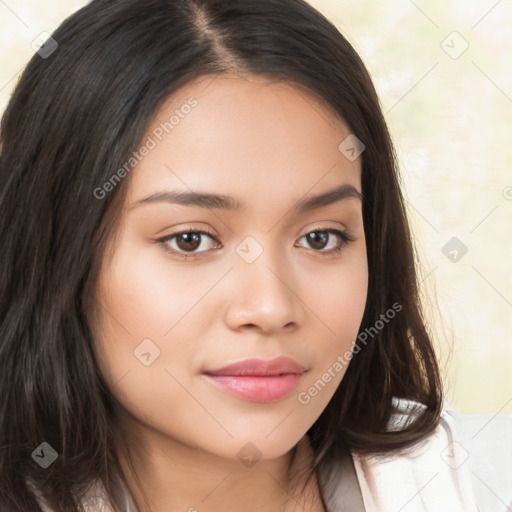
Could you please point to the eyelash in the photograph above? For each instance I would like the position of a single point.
(344, 236)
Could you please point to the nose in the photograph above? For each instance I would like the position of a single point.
(264, 295)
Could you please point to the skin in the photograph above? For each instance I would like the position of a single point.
(267, 144)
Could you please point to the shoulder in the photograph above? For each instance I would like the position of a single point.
(432, 475)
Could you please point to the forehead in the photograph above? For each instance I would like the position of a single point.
(244, 136)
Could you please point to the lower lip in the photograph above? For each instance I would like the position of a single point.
(255, 388)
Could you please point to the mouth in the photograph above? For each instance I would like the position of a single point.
(258, 380)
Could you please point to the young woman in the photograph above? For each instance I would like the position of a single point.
(208, 297)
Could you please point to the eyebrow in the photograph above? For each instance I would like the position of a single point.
(220, 201)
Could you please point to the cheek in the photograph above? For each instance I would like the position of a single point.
(151, 298)
(340, 304)
(338, 299)
(142, 297)
(350, 306)
(144, 343)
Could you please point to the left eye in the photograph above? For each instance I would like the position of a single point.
(187, 243)
(318, 240)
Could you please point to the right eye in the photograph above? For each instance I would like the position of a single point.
(185, 243)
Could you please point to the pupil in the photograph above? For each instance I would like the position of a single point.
(192, 241)
(315, 236)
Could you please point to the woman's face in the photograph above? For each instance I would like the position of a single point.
(267, 279)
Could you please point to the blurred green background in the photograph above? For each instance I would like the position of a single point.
(442, 71)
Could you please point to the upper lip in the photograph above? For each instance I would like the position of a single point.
(260, 367)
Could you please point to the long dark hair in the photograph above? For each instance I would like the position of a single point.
(75, 117)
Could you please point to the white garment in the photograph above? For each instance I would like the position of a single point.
(433, 476)
(488, 440)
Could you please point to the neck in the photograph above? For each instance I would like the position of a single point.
(164, 474)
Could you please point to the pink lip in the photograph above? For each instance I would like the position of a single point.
(258, 380)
